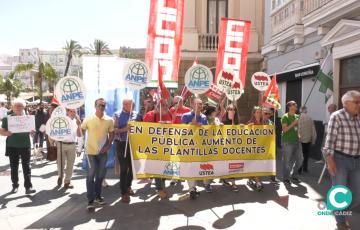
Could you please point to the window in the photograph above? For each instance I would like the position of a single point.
(349, 75)
(286, 12)
(215, 11)
(273, 4)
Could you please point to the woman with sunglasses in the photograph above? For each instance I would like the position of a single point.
(231, 117)
(256, 119)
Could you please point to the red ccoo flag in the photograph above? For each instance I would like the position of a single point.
(165, 94)
(272, 96)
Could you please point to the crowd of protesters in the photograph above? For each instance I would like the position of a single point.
(341, 147)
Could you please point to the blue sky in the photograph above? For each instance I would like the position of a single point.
(47, 24)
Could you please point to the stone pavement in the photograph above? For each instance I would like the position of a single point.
(276, 207)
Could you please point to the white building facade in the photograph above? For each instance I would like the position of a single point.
(298, 36)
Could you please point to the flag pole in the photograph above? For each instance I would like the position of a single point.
(317, 76)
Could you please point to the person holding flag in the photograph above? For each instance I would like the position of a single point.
(195, 117)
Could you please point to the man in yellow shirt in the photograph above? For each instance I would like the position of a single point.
(100, 135)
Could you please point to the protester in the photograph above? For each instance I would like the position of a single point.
(307, 135)
(292, 156)
(178, 110)
(231, 117)
(18, 147)
(195, 117)
(121, 120)
(256, 119)
(266, 115)
(40, 122)
(331, 108)
(100, 134)
(342, 150)
(66, 151)
(159, 115)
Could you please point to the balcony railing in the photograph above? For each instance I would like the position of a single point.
(288, 15)
(312, 5)
(208, 42)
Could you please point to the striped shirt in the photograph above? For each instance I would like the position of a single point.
(343, 134)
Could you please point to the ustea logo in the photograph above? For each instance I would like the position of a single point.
(172, 169)
(136, 75)
(236, 167)
(206, 169)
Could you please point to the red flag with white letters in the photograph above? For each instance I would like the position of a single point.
(233, 47)
(164, 39)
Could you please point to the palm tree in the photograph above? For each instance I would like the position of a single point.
(99, 48)
(72, 48)
(42, 71)
(10, 86)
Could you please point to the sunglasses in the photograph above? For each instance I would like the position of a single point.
(230, 109)
(101, 105)
(267, 113)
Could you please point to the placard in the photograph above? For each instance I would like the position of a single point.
(70, 92)
(21, 124)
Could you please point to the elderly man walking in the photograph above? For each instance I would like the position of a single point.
(342, 150)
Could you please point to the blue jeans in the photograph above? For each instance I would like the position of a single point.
(95, 174)
(347, 174)
(292, 159)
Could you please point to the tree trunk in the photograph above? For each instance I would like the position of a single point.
(67, 65)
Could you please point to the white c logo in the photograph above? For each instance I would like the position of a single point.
(332, 197)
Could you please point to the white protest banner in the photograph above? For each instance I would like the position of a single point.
(235, 92)
(260, 81)
(21, 124)
(136, 75)
(198, 79)
(225, 79)
(70, 92)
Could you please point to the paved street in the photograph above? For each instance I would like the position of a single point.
(277, 208)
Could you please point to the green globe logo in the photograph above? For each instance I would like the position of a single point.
(172, 166)
(59, 123)
(199, 73)
(138, 69)
(70, 86)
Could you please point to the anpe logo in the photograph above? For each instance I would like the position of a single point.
(338, 198)
(199, 78)
(206, 169)
(137, 73)
(172, 169)
(71, 90)
(59, 127)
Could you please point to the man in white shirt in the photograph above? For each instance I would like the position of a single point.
(66, 151)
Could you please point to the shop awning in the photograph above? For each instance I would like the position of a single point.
(305, 71)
